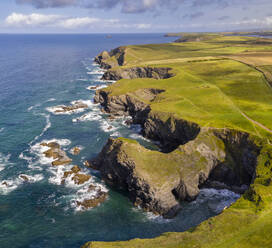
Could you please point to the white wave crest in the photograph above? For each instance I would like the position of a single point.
(97, 87)
(105, 81)
(85, 193)
(4, 160)
(51, 100)
(31, 178)
(47, 126)
(91, 116)
(58, 110)
(96, 71)
(107, 127)
(7, 186)
(34, 106)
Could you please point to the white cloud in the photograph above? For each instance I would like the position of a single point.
(261, 22)
(18, 20)
(55, 21)
(143, 26)
(78, 22)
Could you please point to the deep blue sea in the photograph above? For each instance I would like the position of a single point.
(38, 73)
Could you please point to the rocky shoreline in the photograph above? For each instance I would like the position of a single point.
(202, 157)
(59, 157)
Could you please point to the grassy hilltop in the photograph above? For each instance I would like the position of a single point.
(210, 87)
(220, 82)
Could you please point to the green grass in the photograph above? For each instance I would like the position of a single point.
(213, 92)
(210, 93)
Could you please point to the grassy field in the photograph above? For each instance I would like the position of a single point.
(217, 83)
(222, 82)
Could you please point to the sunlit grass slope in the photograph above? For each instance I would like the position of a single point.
(210, 87)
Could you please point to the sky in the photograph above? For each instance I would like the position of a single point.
(133, 16)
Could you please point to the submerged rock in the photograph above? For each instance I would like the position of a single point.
(76, 150)
(24, 177)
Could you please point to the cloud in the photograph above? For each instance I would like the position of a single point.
(143, 26)
(193, 15)
(17, 19)
(223, 18)
(265, 22)
(132, 6)
(243, 23)
(48, 3)
(40, 20)
(36, 20)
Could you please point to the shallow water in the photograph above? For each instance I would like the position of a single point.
(38, 73)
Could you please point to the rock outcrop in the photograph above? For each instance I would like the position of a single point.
(169, 131)
(138, 72)
(60, 157)
(99, 197)
(62, 109)
(111, 59)
(158, 181)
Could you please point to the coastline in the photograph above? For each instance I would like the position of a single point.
(141, 190)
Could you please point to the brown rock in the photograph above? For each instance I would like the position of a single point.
(91, 203)
(74, 170)
(111, 117)
(91, 188)
(43, 144)
(76, 150)
(86, 163)
(24, 178)
(62, 161)
(93, 87)
(77, 105)
(54, 145)
(5, 183)
(81, 178)
(56, 153)
(51, 153)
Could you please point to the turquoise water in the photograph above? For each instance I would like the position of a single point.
(38, 73)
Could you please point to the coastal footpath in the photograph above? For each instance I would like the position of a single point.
(207, 102)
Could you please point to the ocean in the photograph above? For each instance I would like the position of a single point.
(37, 74)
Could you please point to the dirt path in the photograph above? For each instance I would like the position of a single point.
(257, 123)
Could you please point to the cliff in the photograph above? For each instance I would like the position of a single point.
(199, 116)
(138, 72)
(200, 157)
(219, 158)
(111, 59)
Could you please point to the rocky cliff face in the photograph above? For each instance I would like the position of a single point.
(218, 158)
(170, 133)
(178, 176)
(238, 171)
(111, 59)
(119, 169)
(138, 72)
(192, 157)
